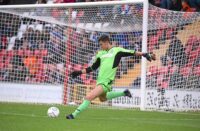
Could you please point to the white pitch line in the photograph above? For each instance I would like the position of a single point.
(20, 114)
(144, 119)
(182, 113)
(95, 118)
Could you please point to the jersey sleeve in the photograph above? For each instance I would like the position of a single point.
(95, 65)
(125, 52)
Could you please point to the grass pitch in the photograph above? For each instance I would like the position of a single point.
(32, 117)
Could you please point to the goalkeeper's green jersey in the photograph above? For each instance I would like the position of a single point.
(107, 62)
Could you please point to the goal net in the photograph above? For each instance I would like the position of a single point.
(42, 44)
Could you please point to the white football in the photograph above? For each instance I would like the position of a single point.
(53, 112)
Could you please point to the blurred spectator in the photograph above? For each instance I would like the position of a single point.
(122, 39)
(17, 60)
(177, 81)
(190, 5)
(3, 42)
(4, 2)
(94, 37)
(151, 81)
(64, 1)
(155, 2)
(192, 82)
(37, 35)
(137, 82)
(197, 61)
(31, 63)
(171, 4)
(21, 2)
(31, 37)
(186, 6)
(16, 70)
(41, 2)
(176, 52)
(55, 74)
(195, 4)
(15, 73)
(69, 1)
(178, 5)
(18, 44)
(55, 46)
(25, 44)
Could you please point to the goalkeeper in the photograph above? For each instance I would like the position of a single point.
(107, 61)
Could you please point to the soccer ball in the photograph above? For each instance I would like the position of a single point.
(53, 112)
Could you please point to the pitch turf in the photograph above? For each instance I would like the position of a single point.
(29, 117)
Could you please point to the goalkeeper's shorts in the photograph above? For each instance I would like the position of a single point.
(106, 85)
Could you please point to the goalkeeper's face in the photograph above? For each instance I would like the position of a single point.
(104, 45)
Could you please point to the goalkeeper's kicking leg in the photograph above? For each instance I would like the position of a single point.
(100, 92)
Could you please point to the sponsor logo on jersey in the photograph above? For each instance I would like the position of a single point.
(107, 55)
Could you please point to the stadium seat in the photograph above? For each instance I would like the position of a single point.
(172, 69)
(163, 70)
(77, 67)
(83, 77)
(169, 33)
(191, 40)
(1, 56)
(20, 52)
(1, 59)
(85, 66)
(2, 65)
(196, 70)
(40, 75)
(188, 49)
(44, 53)
(185, 71)
(40, 60)
(27, 52)
(93, 81)
(159, 33)
(87, 82)
(192, 57)
(164, 84)
(37, 53)
(153, 70)
(10, 53)
(153, 40)
(194, 54)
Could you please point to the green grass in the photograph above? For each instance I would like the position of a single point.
(32, 117)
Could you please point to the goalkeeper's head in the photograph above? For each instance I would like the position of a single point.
(104, 42)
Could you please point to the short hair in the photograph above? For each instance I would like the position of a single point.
(104, 38)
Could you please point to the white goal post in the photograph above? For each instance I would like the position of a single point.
(42, 44)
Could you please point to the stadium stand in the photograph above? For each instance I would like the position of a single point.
(35, 42)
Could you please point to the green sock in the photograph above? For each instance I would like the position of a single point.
(81, 108)
(113, 94)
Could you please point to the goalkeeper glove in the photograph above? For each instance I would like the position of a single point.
(149, 56)
(75, 74)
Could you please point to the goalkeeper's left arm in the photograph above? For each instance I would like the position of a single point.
(124, 52)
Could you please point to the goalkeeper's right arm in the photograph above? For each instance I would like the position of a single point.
(86, 70)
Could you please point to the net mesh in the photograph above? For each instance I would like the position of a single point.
(43, 45)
